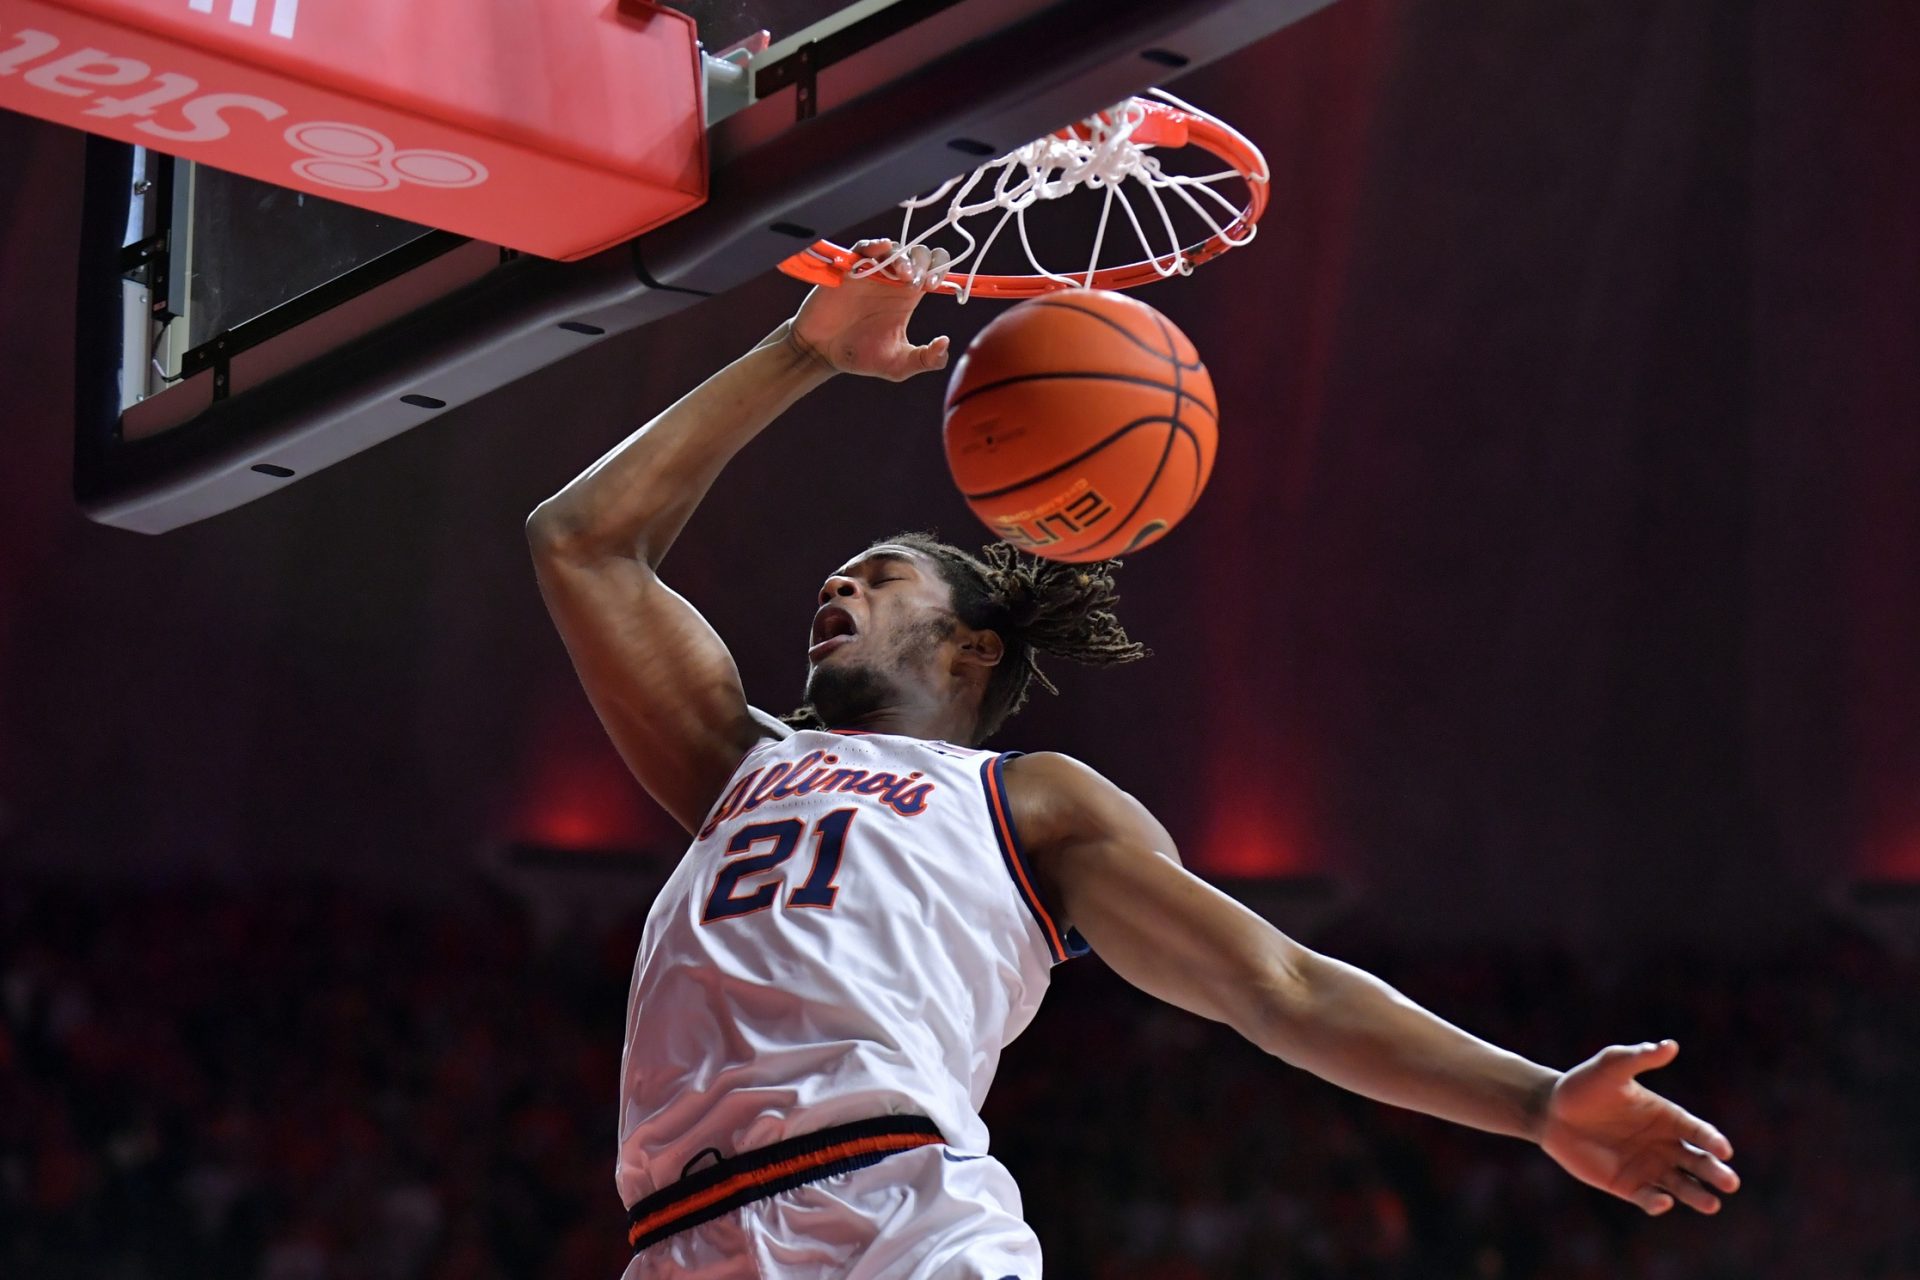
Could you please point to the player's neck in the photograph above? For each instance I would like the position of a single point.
(933, 721)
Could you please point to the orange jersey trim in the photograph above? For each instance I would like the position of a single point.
(1016, 857)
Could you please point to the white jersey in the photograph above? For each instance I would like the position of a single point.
(853, 934)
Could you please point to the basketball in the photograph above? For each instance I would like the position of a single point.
(1080, 425)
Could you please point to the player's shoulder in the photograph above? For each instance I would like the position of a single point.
(1049, 789)
(1040, 770)
(1057, 798)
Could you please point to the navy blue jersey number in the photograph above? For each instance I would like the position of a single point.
(725, 900)
(829, 840)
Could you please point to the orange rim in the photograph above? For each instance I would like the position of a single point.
(826, 263)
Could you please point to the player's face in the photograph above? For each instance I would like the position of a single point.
(883, 622)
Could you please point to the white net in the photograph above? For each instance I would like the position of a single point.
(1103, 155)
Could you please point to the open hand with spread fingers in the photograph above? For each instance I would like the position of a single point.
(1612, 1132)
(860, 325)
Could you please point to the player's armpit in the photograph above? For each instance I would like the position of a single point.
(658, 675)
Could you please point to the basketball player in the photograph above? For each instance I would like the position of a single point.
(872, 902)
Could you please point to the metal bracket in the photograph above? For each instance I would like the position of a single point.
(145, 263)
(141, 252)
(806, 70)
(729, 76)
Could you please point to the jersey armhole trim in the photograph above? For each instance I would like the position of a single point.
(1015, 857)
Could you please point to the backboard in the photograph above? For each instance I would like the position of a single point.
(235, 336)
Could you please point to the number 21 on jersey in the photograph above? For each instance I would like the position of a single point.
(729, 897)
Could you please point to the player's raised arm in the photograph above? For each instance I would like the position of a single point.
(659, 676)
(1110, 871)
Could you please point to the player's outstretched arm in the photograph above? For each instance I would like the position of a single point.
(1109, 868)
(660, 678)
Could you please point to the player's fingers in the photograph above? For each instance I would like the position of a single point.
(926, 267)
(937, 263)
(1707, 1169)
(1690, 1193)
(1652, 1200)
(897, 266)
(878, 259)
(874, 260)
(1709, 1139)
(894, 265)
(917, 360)
(1629, 1060)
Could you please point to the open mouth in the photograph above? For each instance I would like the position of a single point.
(833, 628)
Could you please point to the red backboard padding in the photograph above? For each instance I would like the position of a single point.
(557, 127)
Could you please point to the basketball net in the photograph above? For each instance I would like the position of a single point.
(1110, 152)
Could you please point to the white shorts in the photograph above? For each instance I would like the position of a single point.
(925, 1214)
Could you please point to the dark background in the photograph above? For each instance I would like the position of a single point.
(1559, 582)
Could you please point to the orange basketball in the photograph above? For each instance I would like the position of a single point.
(1080, 425)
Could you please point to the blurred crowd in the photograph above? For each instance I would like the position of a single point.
(298, 1082)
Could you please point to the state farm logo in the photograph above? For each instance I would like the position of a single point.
(171, 107)
(354, 158)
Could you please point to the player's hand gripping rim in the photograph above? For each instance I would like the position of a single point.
(860, 325)
(1608, 1130)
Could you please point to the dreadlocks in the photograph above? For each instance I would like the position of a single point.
(1036, 606)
